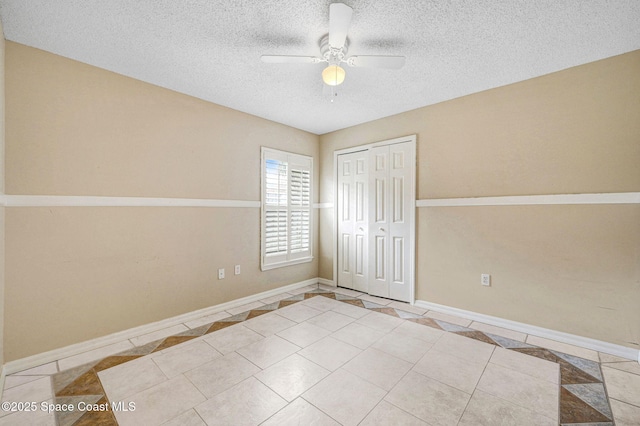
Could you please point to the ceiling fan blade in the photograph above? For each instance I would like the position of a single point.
(375, 61)
(339, 22)
(283, 59)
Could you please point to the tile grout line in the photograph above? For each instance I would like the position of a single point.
(627, 403)
(476, 387)
(405, 375)
(606, 393)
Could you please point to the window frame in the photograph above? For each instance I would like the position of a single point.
(301, 163)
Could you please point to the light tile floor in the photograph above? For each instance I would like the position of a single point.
(326, 356)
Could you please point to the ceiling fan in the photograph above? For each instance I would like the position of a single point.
(333, 50)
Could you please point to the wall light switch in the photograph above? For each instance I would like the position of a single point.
(221, 273)
(485, 279)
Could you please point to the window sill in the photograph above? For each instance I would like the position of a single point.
(287, 263)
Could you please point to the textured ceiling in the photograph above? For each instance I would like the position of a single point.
(211, 49)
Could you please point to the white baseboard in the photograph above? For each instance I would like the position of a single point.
(558, 336)
(3, 375)
(79, 348)
(326, 282)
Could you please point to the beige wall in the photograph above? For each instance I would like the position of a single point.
(76, 273)
(569, 268)
(2, 310)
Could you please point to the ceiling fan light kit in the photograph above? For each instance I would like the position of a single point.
(333, 50)
(333, 75)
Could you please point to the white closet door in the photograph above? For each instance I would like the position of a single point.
(392, 200)
(352, 220)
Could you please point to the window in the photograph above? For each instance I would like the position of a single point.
(286, 208)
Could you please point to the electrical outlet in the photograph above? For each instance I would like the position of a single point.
(237, 270)
(221, 274)
(485, 279)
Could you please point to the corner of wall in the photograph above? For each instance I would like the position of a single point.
(2, 157)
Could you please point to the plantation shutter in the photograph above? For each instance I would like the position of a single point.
(300, 211)
(275, 207)
(286, 208)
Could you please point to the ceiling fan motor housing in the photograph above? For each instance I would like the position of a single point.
(333, 55)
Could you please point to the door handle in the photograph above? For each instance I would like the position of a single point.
(381, 229)
(361, 229)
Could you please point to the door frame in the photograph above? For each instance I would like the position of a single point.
(412, 214)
